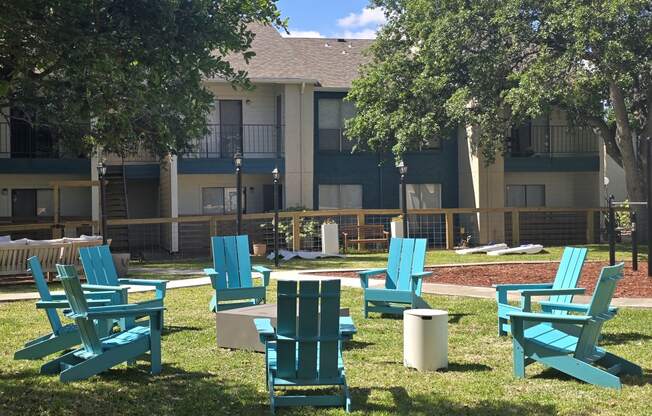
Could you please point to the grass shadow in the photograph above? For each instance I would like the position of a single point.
(455, 318)
(623, 338)
(466, 367)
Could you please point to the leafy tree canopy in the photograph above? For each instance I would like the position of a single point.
(123, 74)
(438, 64)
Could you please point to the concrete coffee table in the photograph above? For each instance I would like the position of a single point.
(236, 329)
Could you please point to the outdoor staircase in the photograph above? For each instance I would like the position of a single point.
(117, 207)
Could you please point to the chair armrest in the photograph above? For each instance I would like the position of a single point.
(501, 290)
(265, 329)
(102, 288)
(144, 282)
(123, 313)
(347, 327)
(571, 307)
(63, 304)
(159, 285)
(264, 271)
(526, 295)
(371, 272)
(545, 317)
(420, 275)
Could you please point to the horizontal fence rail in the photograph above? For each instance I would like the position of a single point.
(189, 236)
(251, 140)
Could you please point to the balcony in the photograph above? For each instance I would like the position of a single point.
(253, 141)
(24, 149)
(261, 146)
(552, 148)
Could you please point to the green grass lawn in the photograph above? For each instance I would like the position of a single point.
(200, 379)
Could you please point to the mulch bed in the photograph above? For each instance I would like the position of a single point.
(635, 284)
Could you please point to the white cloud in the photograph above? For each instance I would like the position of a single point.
(358, 34)
(302, 34)
(365, 18)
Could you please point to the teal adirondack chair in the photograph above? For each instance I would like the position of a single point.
(99, 354)
(100, 270)
(568, 343)
(561, 290)
(306, 348)
(62, 336)
(231, 274)
(403, 278)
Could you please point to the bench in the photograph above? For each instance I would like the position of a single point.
(365, 234)
(14, 254)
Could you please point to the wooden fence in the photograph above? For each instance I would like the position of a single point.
(444, 228)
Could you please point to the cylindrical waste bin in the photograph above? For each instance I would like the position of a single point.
(425, 339)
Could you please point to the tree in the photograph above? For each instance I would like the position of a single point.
(441, 63)
(122, 74)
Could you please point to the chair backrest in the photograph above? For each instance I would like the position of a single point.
(98, 265)
(568, 273)
(308, 342)
(231, 261)
(77, 301)
(406, 256)
(34, 266)
(599, 309)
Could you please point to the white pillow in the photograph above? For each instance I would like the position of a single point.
(5, 238)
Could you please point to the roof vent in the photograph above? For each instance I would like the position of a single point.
(350, 45)
(344, 52)
(327, 45)
(341, 40)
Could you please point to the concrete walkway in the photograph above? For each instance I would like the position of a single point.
(195, 278)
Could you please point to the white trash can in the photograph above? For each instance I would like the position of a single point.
(425, 339)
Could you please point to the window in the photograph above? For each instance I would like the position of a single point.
(423, 195)
(340, 196)
(525, 196)
(27, 203)
(218, 200)
(332, 114)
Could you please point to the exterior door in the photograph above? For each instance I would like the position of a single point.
(230, 127)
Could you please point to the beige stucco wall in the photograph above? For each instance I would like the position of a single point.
(258, 105)
(617, 186)
(75, 202)
(299, 145)
(480, 186)
(190, 187)
(563, 189)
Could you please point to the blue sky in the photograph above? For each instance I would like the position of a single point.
(331, 18)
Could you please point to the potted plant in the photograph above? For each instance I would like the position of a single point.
(329, 237)
(260, 249)
(396, 227)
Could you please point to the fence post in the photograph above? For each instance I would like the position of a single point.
(516, 228)
(450, 231)
(590, 227)
(360, 217)
(213, 226)
(296, 232)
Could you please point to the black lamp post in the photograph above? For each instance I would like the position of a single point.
(402, 168)
(238, 185)
(101, 174)
(276, 177)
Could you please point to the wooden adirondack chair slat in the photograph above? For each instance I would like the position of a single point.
(305, 349)
(231, 274)
(570, 349)
(405, 265)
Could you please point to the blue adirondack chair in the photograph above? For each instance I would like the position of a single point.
(99, 354)
(403, 278)
(568, 343)
(561, 290)
(231, 274)
(62, 336)
(100, 270)
(306, 348)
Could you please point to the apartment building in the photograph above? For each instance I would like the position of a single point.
(293, 120)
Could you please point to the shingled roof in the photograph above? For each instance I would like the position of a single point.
(328, 62)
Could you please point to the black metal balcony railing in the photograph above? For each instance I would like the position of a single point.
(251, 140)
(553, 141)
(20, 140)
